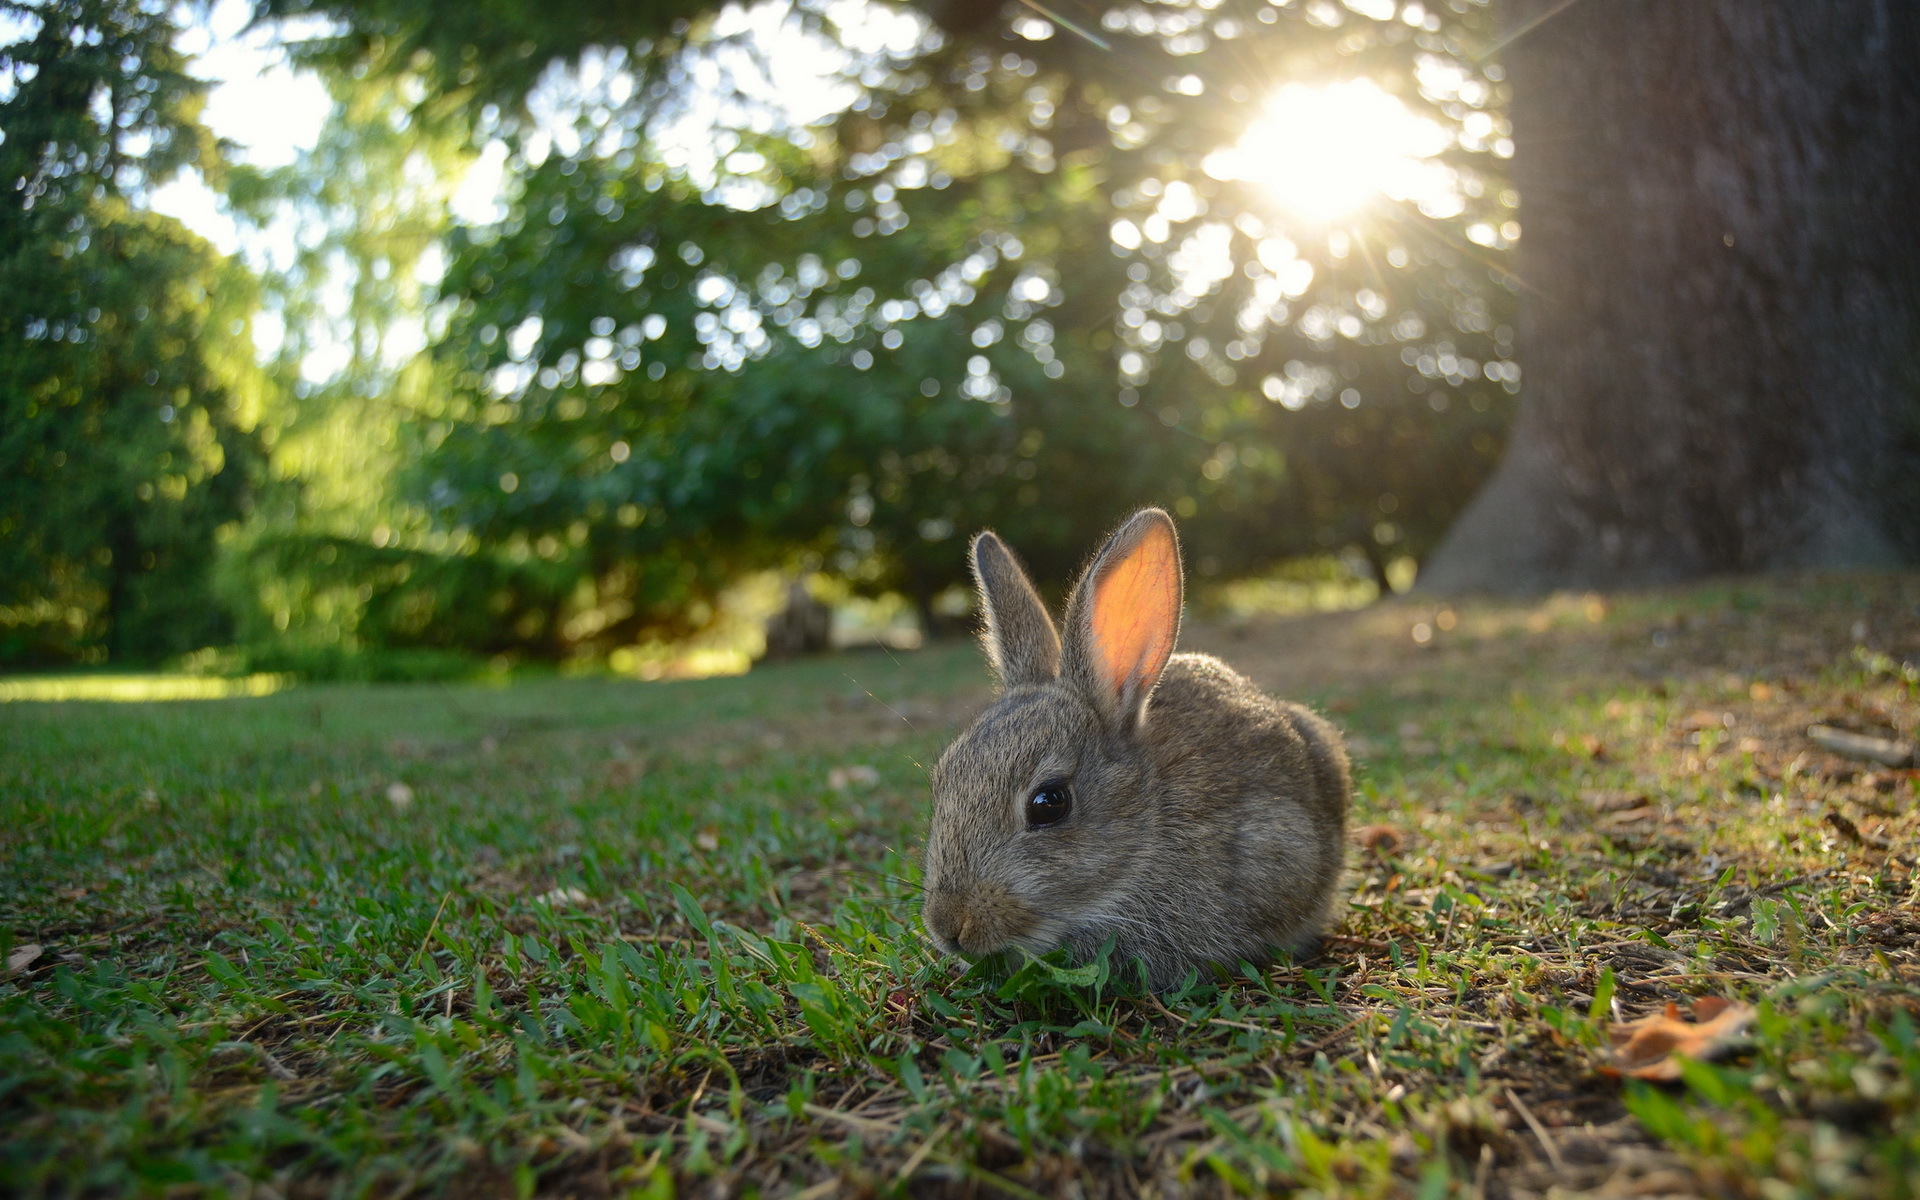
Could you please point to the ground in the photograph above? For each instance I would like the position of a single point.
(591, 937)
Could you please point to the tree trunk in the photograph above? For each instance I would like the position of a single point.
(1720, 315)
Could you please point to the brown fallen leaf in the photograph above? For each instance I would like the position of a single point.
(1582, 745)
(1847, 744)
(1651, 1047)
(622, 772)
(1705, 718)
(1847, 829)
(22, 956)
(1887, 781)
(707, 839)
(857, 775)
(1602, 800)
(1379, 839)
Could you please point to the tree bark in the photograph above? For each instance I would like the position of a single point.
(1720, 308)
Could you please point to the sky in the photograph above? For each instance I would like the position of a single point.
(271, 111)
(268, 109)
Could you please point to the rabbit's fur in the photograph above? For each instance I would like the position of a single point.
(1206, 820)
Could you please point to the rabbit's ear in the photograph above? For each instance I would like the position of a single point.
(1019, 636)
(1125, 616)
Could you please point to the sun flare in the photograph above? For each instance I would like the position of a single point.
(1323, 152)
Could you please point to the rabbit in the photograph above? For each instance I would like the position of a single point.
(1117, 790)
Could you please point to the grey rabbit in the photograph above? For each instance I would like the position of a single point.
(1115, 789)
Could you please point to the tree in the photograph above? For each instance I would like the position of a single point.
(694, 375)
(127, 385)
(335, 557)
(1722, 296)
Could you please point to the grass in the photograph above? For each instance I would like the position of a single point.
(583, 937)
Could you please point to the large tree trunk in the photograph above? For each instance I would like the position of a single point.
(1720, 315)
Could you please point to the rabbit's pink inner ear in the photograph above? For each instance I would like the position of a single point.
(1136, 615)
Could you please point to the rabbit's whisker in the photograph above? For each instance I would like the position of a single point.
(882, 703)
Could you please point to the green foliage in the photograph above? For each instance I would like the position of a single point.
(334, 561)
(857, 342)
(1000, 286)
(128, 392)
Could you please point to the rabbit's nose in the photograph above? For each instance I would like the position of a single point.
(945, 918)
(979, 919)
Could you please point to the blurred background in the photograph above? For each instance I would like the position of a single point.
(411, 339)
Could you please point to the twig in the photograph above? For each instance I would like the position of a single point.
(1539, 1131)
(1336, 1035)
(1368, 943)
(1212, 1020)
(835, 1114)
(431, 929)
(919, 1156)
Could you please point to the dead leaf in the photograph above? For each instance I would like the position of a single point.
(856, 775)
(899, 1005)
(1704, 718)
(1602, 800)
(1760, 691)
(707, 840)
(1889, 927)
(1632, 816)
(22, 956)
(1847, 744)
(1379, 839)
(1650, 1047)
(1887, 781)
(1851, 832)
(623, 772)
(399, 795)
(562, 895)
(1584, 745)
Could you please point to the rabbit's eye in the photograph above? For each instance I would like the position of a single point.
(1049, 803)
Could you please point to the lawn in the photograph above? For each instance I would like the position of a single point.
(591, 937)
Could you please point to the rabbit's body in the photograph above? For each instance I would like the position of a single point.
(1206, 827)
